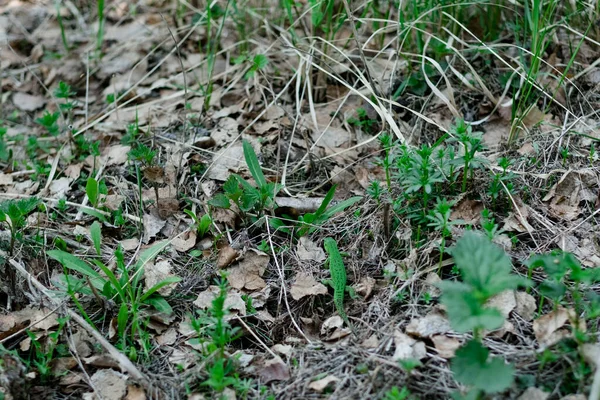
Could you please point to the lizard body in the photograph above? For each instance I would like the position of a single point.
(337, 269)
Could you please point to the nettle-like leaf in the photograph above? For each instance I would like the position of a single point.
(486, 271)
(484, 266)
(472, 366)
(465, 309)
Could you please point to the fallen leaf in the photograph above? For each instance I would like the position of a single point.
(59, 187)
(533, 393)
(155, 273)
(431, 324)
(549, 329)
(28, 102)
(283, 349)
(468, 211)
(526, 305)
(184, 242)
(233, 301)
(504, 302)
(445, 346)
(322, 384)
(407, 347)
(130, 244)
(365, 286)
(227, 255)
(135, 392)
(152, 226)
(308, 250)
(228, 160)
(111, 384)
(274, 370)
(247, 272)
(372, 342)
(306, 285)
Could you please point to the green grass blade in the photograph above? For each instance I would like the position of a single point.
(253, 164)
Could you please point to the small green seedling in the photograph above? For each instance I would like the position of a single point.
(257, 63)
(243, 194)
(203, 224)
(14, 214)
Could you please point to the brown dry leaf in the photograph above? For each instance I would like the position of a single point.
(431, 282)
(228, 160)
(152, 226)
(445, 346)
(431, 324)
(41, 319)
(468, 211)
(569, 191)
(60, 187)
(155, 174)
(584, 249)
(135, 392)
(5, 179)
(283, 349)
(247, 272)
(157, 272)
(372, 342)
(183, 357)
(233, 301)
(365, 287)
(274, 370)
(306, 285)
(322, 384)
(102, 361)
(526, 305)
(309, 250)
(533, 393)
(227, 255)
(28, 102)
(130, 244)
(496, 133)
(184, 242)
(334, 324)
(407, 347)
(550, 328)
(111, 384)
(110, 156)
(504, 302)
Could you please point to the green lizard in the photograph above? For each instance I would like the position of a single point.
(337, 270)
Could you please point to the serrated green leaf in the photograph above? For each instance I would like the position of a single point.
(96, 234)
(220, 201)
(260, 61)
(253, 164)
(484, 265)
(465, 308)
(473, 367)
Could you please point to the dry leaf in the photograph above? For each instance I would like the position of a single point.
(135, 392)
(183, 357)
(309, 250)
(467, 210)
(504, 302)
(59, 187)
(533, 393)
(157, 272)
(184, 242)
(372, 342)
(365, 287)
(28, 102)
(322, 384)
(246, 273)
(431, 282)
(550, 328)
(283, 349)
(227, 255)
(445, 346)
(152, 226)
(230, 159)
(111, 384)
(130, 244)
(407, 347)
(526, 305)
(274, 370)
(433, 323)
(233, 301)
(306, 285)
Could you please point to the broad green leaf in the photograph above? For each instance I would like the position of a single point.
(253, 164)
(122, 318)
(116, 285)
(96, 234)
(160, 304)
(473, 367)
(92, 189)
(167, 281)
(326, 200)
(465, 308)
(204, 224)
(484, 265)
(220, 201)
(74, 263)
(341, 206)
(260, 61)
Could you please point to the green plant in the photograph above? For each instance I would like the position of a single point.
(5, 152)
(486, 271)
(124, 286)
(14, 214)
(363, 121)
(100, 32)
(243, 194)
(397, 394)
(471, 144)
(440, 221)
(213, 325)
(50, 122)
(42, 353)
(202, 224)
(257, 63)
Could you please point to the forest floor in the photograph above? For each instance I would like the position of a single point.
(170, 170)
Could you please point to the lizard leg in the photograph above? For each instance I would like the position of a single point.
(351, 292)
